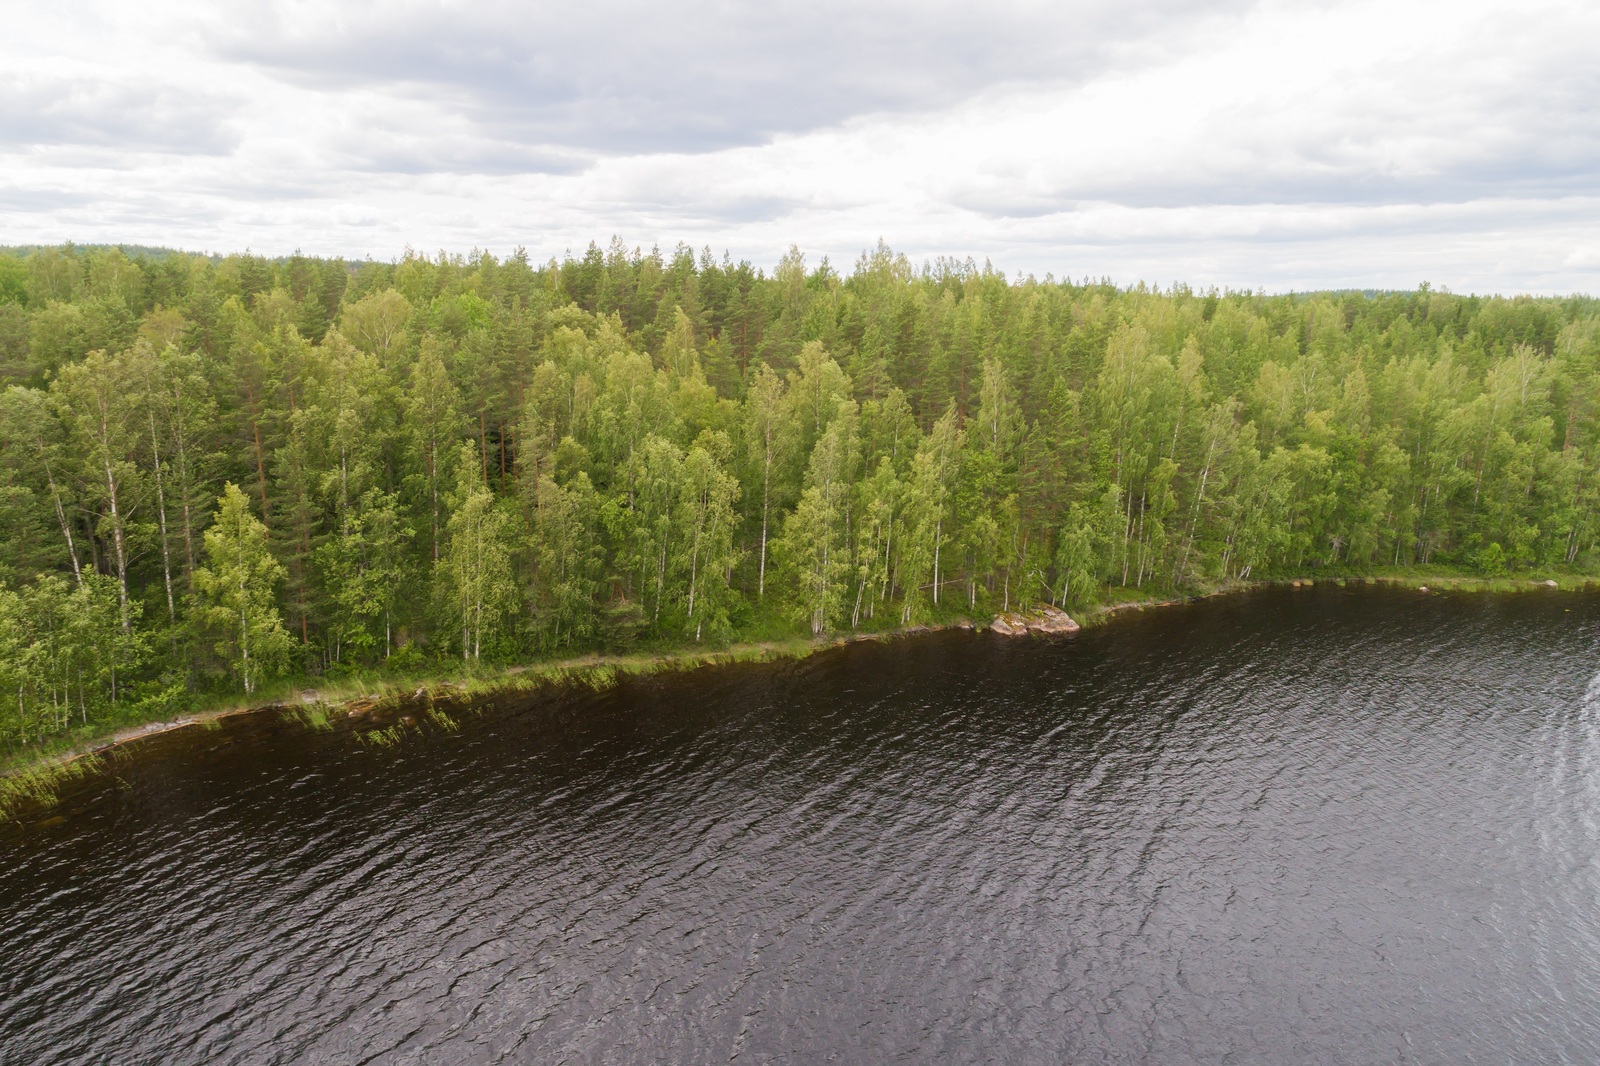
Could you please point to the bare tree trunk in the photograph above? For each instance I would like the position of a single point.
(261, 462)
(161, 514)
(433, 489)
(766, 491)
(483, 443)
(120, 547)
(66, 527)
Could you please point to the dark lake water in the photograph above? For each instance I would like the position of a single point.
(1318, 825)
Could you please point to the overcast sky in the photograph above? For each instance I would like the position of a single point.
(1262, 145)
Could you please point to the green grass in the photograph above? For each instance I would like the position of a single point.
(314, 717)
(39, 786)
(441, 720)
(381, 738)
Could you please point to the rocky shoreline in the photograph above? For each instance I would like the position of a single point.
(1047, 620)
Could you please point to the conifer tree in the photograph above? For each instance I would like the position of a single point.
(661, 444)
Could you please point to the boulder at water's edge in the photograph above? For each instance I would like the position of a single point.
(1044, 620)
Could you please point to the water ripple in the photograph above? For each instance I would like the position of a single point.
(1326, 826)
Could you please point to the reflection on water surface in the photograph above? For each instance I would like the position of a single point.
(1311, 825)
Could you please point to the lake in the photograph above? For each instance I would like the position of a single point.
(1314, 825)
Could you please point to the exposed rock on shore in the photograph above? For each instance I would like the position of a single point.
(1044, 620)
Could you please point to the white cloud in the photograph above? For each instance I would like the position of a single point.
(1283, 145)
(693, 76)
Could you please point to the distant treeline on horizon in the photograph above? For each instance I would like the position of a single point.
(930, 266)
(215, 470)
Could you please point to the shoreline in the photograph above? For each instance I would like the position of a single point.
(34, 783)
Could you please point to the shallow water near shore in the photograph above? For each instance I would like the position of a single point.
(1321, 824)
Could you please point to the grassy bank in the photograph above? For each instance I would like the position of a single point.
(451, 678)
(35, 777)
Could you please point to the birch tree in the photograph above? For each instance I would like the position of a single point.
(95, 398)
(237, 592)
(476, 583)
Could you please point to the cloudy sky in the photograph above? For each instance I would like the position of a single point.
(1271, 145)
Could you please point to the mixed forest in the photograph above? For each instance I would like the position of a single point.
(224, 473)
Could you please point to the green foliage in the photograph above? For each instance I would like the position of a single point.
(569, 560)
(235, 592)
(13, 280)
(485, 459)
(364, 567)
(64, 654)
(476, 587)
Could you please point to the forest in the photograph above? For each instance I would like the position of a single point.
(223, 474)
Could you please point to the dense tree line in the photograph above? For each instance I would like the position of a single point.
(218, 470)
